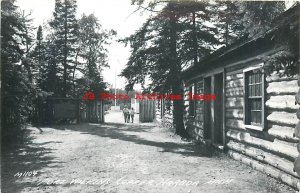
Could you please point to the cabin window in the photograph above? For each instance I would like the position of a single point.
(254, 99)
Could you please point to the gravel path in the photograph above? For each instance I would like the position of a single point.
(123, 158)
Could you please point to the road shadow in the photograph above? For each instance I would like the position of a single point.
(21, 158)
(120, 131)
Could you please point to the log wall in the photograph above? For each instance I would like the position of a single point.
(164, 114)
(274, 149)
(194, 123)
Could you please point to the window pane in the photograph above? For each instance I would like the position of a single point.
(255, 104)
(256, 90)
(255, 111)
(259, 105)
(251, 117)
(250, 90)
(252, 105)
(259, 117)
(257, 78)
(255, 117)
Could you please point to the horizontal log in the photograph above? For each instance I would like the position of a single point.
(275, 173)
(239, 91)
(282, 102)
(280, 117)
(234, 102)
(197, 124)
(234, 113)
(234, 70)
(194, 122)
(168, 118)
(275, 147)
(200, 104)
(199, 119)
(277, 78)
(235, 83)
(234, 76)
(200, 91)
(283, 133)
(283, 87)
(195, 131)
(265, 157)
(292, 144)
(234, 123)
(200, 85)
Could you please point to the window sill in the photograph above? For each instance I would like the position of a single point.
(257, 128)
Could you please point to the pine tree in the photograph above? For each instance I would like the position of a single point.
(16, 86)
(258, 15)
(92, 52)
(244, 19)
(28, 44)
(39, 56)
(65, 29)
(196, 38)
(227, 18)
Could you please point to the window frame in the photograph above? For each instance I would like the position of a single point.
(246, 99)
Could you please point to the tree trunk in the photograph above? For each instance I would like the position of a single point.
(177, 88)
(74, 70)
(195, 44)
(178, 109)
(64, 94)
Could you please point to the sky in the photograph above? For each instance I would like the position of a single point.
(119, 15)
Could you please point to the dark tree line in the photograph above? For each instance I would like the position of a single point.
(64, 58)
(181, 33)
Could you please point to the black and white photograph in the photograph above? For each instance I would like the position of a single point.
(150, 96)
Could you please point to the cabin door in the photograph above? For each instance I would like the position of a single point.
(214, 109)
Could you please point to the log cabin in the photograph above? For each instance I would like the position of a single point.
(253, 118)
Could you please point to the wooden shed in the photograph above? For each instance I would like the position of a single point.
(254, 115)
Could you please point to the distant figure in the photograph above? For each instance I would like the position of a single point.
(132, 114)
(126, 113)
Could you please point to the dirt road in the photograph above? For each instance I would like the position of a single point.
(123, 158)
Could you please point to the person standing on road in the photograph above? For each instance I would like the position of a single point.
(126, 113)
(132, 114)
